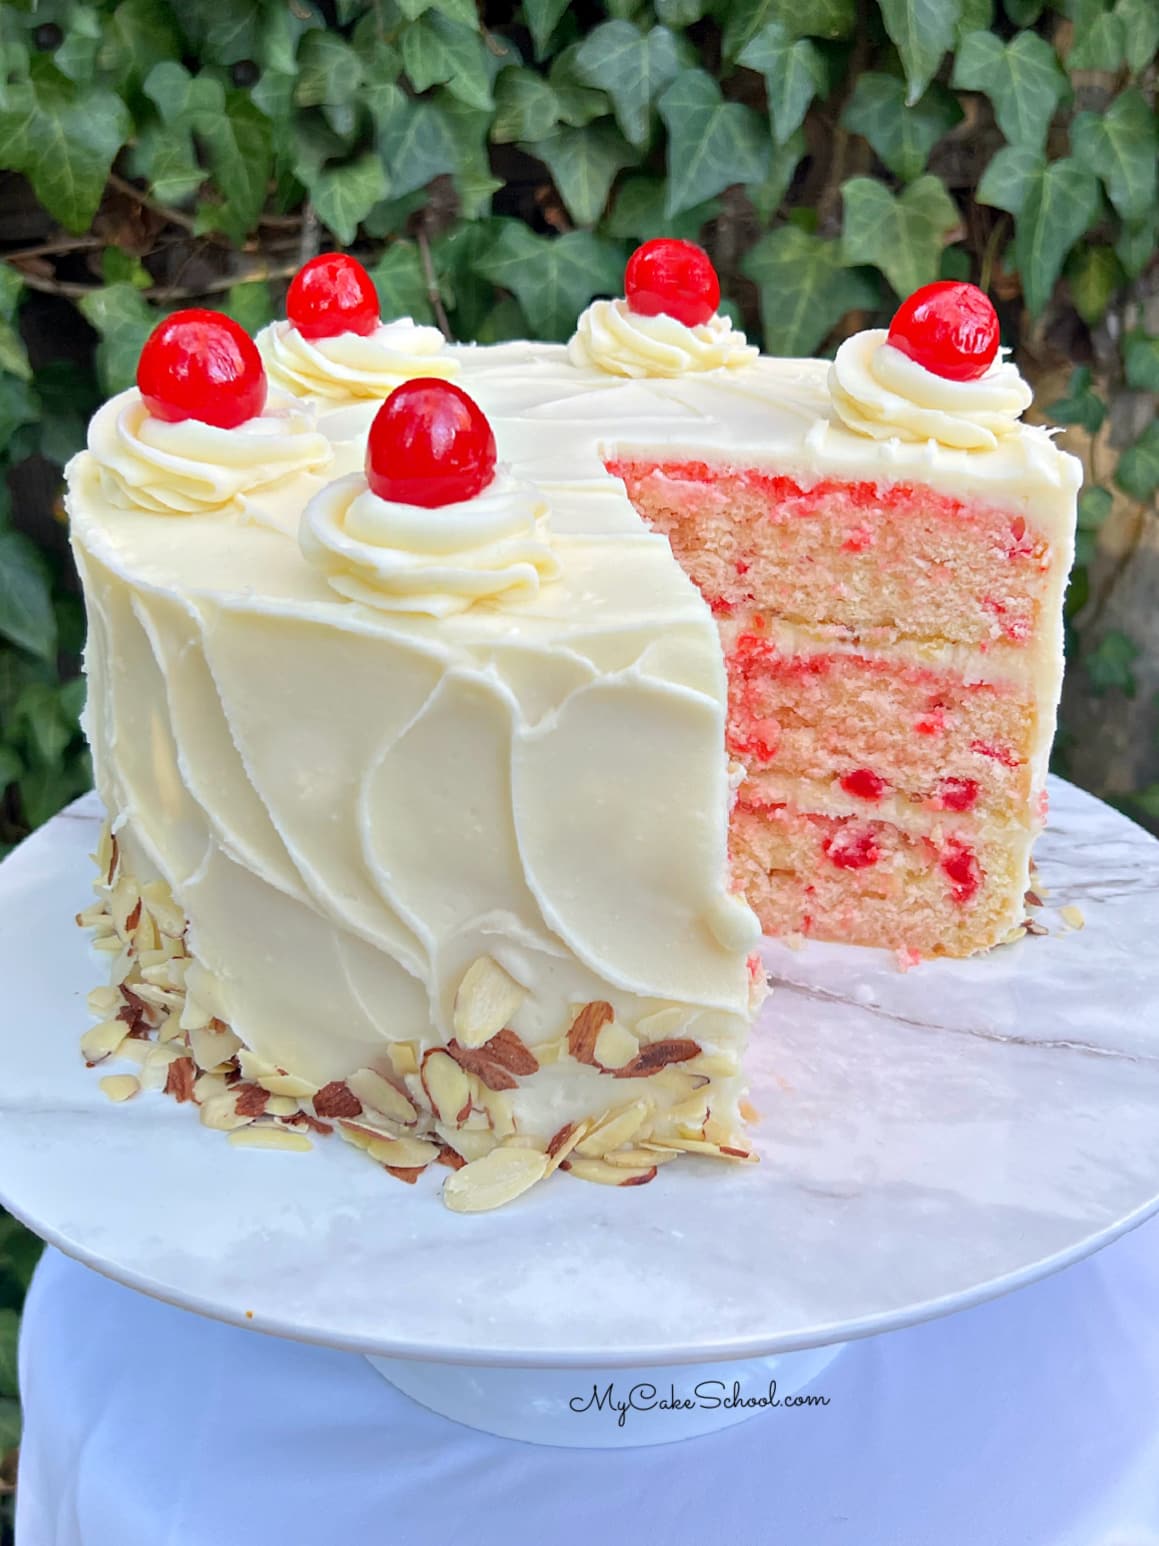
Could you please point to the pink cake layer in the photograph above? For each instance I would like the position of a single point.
(898, 559)
(887, 801)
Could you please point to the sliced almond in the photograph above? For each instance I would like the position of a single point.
(164, 911)
(564, 1141)
(120, 1087)
(603, 1174)
(639, 1159)
(403, 1153)
(282, 1106)
(1072, 915)
(404, 1057)
(469, 1144)
(282, 1083)
(260, 1137)
(104, 1001)
(207, 1086)
(498, 1108)
(615, 1046)
(548, 1052)
(96, 915)
(220, 1112)
(447, 1087)
(124, 906)
(661, 1024)
(210, 1047)
(748, 1111)
(337, 1099)
(737, 1151)
(615, 1128)
(101, 1041)
(717, 1065)
(497, 1178)
(380, 1095)
(656, 1055)
(587, 1024)
(486, 999)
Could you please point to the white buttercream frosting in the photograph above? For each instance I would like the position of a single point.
(352, 365)
(879, 391)
(189, 468)
(441, 560)
(612, 337)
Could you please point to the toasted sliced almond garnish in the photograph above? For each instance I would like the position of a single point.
(447, 1087)
(657, 1055)
(207, 1086)
(737, 1151)
(403, 1153)
(1072, 915)
(497, 1178)
(164, 911)
(615, 1128)
(257, 1136)
(468, 1143)
(96, 915)
(101, 1041)
(615, 1046)
(120, 1087)
(718, 1065)
(589, 1021)
(220, 1112)
(180, 1079)
(282, 1083)
(104, 1001)
(337, 1099)
(380, 1095)
(603, 1174)
(564, 1141)
(475, 1060)
(498, 1109)
(486, 999)
(404, 1057)
(639, 1159)
(661, 1024)
(211, 1047)
(250, 1100)
(548, 1052)
(748, 1111)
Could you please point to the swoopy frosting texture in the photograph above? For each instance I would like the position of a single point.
(189, 468)
(351, 365)
(407, 558)
(612, 337)
(879, 391)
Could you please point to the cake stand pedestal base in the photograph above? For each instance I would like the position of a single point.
(609, 1408)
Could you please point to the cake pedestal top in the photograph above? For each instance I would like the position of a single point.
(928, 1140)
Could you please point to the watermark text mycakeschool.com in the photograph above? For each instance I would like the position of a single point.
(705, 1395)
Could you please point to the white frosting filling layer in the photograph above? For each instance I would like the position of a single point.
(879, 391)
(408, 558)
(612, 337)
(352, 365)
(190, 467)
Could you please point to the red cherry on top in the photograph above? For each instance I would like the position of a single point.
(674, 278)
(332, 294)
(199, 364)
(429, 445)
(949, 327)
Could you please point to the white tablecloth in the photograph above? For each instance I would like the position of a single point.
(1032, 1421)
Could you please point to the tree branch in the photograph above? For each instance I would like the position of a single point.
(434, 295)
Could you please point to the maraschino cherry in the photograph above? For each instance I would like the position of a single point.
(672, 277)
(332, 294)
(429, 445)
(949, 327)
(200, 364)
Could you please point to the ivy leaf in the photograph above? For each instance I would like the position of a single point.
(1022, 79)
(1109, 665)
(329, 72)
(1023, 13)
(344, 195)
(223, 33)
(63, 139)
(13, 355)
(794, 71)
(632, 67)
(463, 11)
(901, 236)
(743, 19)
(249, 304)
(1081, 405)
(1100, 45)
(417, 144)
(768, 194)
(526, 107)
(437, 51)
(165, 158)
(124, 320)
(9, 1337)
(136, 36)
(1141, 361)
(975, 16)
(902, 135)
(543, 17)
(1008, 177)
(10, 1426)
(1060, 202)
(583, 164)
(638, 213)
(712, 144)
(578, 104)
(1094, 505)
(1138, 470)
(680, 13)
(401, 284)
(1135, 244)
(805, 288)
(553, 278)
(26, 615)
(1120, 145)
(1093, 274)
(239, 145)
(1140, 20)
(923, 31)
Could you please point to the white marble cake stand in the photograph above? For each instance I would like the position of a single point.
(929, 1139)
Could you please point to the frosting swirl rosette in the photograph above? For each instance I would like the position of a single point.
(349, 365)
(189, 467)
(410, 558)
(880, 391)
(611, 336)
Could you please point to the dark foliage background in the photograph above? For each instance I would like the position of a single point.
(494, 165)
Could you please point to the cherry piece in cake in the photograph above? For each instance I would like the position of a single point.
(864, 784)
(332, 294)
(199, 364)
(673, 278)
(430, 445)
(948, 327)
